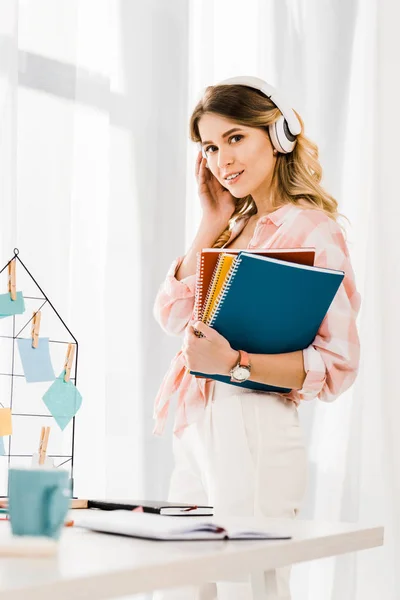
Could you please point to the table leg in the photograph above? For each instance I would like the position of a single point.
(264, 585)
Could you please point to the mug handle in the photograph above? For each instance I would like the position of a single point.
(58, 503)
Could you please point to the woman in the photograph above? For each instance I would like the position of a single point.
(240, 450)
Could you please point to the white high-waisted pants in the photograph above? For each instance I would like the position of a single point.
(246, 456)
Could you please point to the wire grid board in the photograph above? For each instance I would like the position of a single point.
(29, 413)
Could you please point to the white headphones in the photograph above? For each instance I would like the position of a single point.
(284, 131)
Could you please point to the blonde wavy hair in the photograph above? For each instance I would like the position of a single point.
(296, 176)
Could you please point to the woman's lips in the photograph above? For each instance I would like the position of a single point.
(235, 180)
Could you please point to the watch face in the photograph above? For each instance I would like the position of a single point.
(241, 373)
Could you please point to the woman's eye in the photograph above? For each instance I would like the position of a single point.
(231, 138)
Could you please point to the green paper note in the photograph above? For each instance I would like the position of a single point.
(63, 400)
(9, 307)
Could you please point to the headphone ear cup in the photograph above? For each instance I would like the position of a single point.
(203, 152)
(281, 138)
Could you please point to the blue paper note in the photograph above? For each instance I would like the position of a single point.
(2, 449)
(63, 400)
(36, 362)
(10, 307)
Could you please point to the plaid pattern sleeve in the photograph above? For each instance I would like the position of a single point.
(331, 362)
(174, 303)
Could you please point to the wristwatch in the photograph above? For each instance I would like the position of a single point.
(242, 370)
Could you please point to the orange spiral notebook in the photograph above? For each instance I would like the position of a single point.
(220, 273)
(213, 266)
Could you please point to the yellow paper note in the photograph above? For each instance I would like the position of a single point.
(5, 421)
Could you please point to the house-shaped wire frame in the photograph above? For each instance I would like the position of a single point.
(29, 412)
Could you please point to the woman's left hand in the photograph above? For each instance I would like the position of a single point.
(211, 354)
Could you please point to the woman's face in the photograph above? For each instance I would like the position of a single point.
(246, 149)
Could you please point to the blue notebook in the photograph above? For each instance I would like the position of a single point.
(270, 306)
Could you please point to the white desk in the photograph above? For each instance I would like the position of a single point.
(95, 566)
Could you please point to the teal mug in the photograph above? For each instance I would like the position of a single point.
(39, 500)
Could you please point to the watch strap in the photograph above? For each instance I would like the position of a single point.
(244, 359)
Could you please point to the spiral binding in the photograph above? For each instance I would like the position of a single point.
(225, 289)
(198, 300)
(215, 276)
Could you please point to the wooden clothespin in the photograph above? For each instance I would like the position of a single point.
(36, 328)
(12, 284)
(44, 440)
(43, 431)
(69, 359)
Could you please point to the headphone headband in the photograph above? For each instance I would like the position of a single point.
(259, 84)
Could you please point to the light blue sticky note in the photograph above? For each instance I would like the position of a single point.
(10, 307)
(2, 449)
(36, 362)
(63, 400)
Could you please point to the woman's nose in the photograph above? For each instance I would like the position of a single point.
(224, 159)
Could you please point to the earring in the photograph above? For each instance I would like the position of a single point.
(275, 152)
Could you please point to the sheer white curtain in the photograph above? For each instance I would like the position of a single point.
(8, 89)
(328, 59)
(92, 150)
(40, 187)
(97, 191)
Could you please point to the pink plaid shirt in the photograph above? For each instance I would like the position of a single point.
(331, 361)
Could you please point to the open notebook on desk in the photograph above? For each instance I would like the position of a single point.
(142, 525)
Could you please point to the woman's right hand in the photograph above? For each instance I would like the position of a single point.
(217, 202)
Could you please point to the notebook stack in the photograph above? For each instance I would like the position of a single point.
(263, 301)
